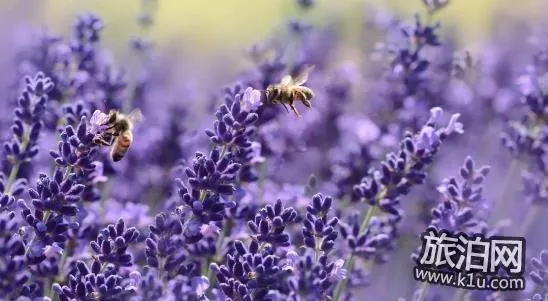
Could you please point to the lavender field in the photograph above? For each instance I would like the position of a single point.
(306, 165)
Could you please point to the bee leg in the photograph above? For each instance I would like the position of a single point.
(98, 139)
(105, 139)
(294, 109)
(302, 97)
(283, 104)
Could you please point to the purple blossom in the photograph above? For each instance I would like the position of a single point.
(538, 271)
(27, 123)
(13, 265)
(251, 100)
(111, 245)
(270, 222)
(404, 169)
(318, 271)
(250, 272)
(92, 282)
(462, 207)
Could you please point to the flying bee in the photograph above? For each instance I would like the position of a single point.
(289, 91)
(116, 131)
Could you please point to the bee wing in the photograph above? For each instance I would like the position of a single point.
(302, 77)
(135, 116)
(286, 80)
(99, 117)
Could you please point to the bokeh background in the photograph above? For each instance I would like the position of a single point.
(203, 42)
(224, 27)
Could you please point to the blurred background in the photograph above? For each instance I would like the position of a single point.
(212, 36)
(210, 26)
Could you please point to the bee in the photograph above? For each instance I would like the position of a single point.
(116, 131)
(289, 91)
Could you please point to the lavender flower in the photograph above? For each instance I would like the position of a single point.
(13, 270)
(163, 246)
(92, 282)
(536, 297)
(212, 177)
(233, 132)
(112, 244)
(539, 269)
(250, 273)
(378, 239)
(318, 232)
(527, 140)
(86, 35)
(318, 271)
(27, 123)
(76, 149)
(7, 198)
(74, 111)
(384, 188)
(270, 222)
(528, 135)
(212, 174)
(463, 208)
(402, 170)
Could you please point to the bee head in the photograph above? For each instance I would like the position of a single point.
(272, 92)
(122, 125)
(112, 116)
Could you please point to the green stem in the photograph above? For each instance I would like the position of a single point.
(103, 267)
(27, 249)
(68, 249)
(316, 250)
(203, 194)
(370, 213)
(67, 173)
(223, 151)
(13, 174)
(162, 274)
(48, 287)
(15, 169)
(218, 247)
(349, 264)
